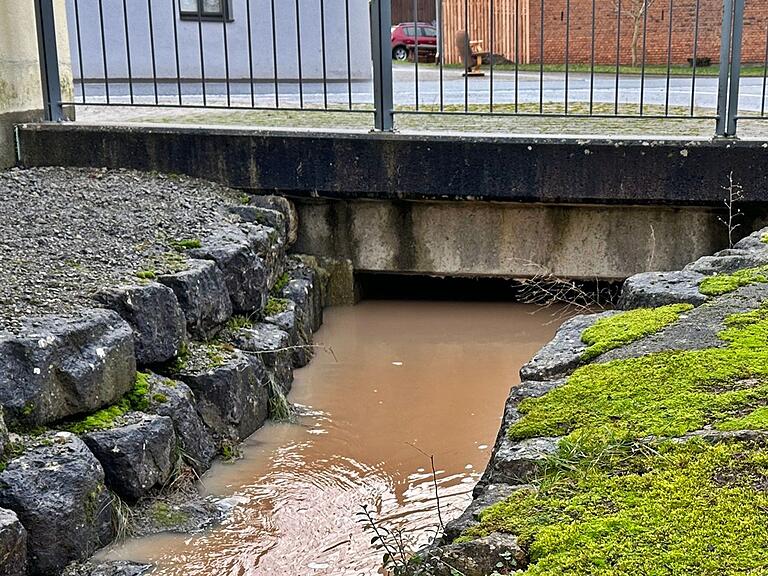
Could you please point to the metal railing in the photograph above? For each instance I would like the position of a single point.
(508, 60)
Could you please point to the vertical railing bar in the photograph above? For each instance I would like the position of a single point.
(441, 49)
(469, 50)
(250, 51)
(349, 53)
(128, 50)
(415, 15)
(298, 53)
(618, 59)
(517, 55)
(669, 59)
(381, 21)
(80, 51)
(274, 55)
(50, 79)
(226, 58)
(176, 51)
(104, 50)
(724, 72)
(202, 57)
(695, 57)
(492, 18)
(152, 49)
(592, 62)
(541, 61)
(765, 72)
(322, 46)
(567, 49)
(642, 65)
(735, 81)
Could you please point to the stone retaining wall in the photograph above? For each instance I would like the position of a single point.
(173, 369)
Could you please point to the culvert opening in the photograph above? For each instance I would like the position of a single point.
(545, 290)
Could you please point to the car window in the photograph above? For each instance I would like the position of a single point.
(428, 31)
(408, 30)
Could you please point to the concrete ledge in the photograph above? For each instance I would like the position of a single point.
(397, 166)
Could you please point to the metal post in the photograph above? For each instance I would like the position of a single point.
(383, 101)
(733, 95)
(725, 68)
(49, 60)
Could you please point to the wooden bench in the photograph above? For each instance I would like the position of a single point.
(471, 53)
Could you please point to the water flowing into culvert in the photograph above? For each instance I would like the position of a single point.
(432, 375)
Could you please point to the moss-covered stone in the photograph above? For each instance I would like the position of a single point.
(694, 508)
(725, 283)
(615, 331)
(136, 400)
(664, 394)
(275, 306)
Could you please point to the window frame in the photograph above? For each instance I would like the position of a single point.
(224, 16)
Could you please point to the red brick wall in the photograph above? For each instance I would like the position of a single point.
(657, 41)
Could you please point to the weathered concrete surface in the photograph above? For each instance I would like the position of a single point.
(508, 240)
(397, 166)
(20, 88)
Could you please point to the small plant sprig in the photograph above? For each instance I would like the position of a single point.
(735, 193)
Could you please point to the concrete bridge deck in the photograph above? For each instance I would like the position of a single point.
(456, 204)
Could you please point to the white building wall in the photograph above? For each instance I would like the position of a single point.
(88, 60)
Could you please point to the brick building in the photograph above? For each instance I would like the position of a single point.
(519, 26)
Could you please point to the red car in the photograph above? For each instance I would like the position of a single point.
(405, 36)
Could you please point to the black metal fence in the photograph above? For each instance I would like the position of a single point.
(644, 60)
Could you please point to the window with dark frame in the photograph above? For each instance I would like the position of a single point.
(217, 10)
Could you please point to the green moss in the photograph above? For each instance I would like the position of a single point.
(245, 199)
(179, 363)
(146, 274)
(275, 306)
(237, 322)
(218, 354)
(764, 238)
(159, 398)
(725, 283)
(281, 283)
(663, 394)
(166, 516)
(136, 400)
(29, 407)
(186, 244)
(692, 509)
(615, 331)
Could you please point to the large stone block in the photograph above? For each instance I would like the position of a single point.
(202, 294)
(153, 311)
(245, 273)
(232, 394)
(137, 454)
(175, 400)
(562, 354)
(653, 289)
(61, 367)
(56, 487)
(520, 462)
(284, 206)
(268, 243)
(493, 554)
(290, 321)
(272, 346)
(13, 545)
(265, 216)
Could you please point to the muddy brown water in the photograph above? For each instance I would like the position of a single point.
(431, 375)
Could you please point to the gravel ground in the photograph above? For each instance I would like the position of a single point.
(65, 233)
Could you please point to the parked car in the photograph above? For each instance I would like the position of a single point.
(406, 36)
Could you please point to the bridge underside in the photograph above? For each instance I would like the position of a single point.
(456, 205)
